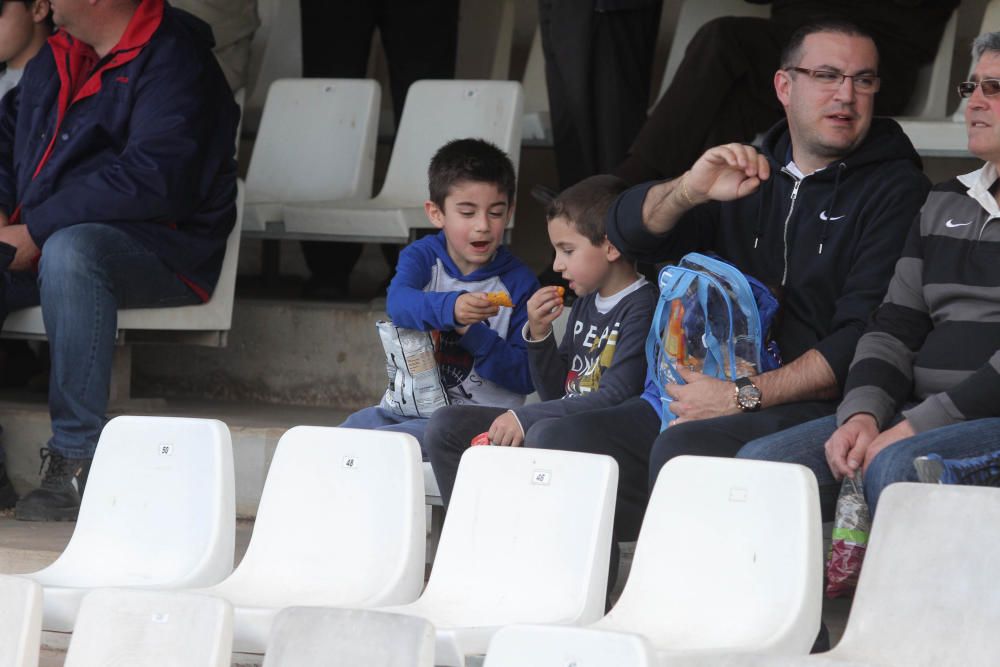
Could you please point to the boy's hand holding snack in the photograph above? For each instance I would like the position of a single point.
(544, 307)
(472, 307)
(506, 431)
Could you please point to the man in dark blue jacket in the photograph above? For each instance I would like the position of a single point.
(117, 189)
(820, 215)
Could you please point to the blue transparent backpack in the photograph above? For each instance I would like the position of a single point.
(710, 318)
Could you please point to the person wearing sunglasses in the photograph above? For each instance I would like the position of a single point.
(926, 375)
(24, 27)
(117, 190)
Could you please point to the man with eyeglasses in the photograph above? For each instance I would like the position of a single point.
(820, 215)
(926, 375)
(24, 27)
(721, 90)
(117, 190)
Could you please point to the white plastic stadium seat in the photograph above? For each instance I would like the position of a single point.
(527, 539)
(206, 323)
(729, 557)
(340, 523)
(20, 621)
(316, 143)
(309, 636)
(559, 646)
(693, 15)
(435, 113)
(151, 629)
(158, 511)
(925, 595)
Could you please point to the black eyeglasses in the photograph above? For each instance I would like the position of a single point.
(863, 83)
(990, 87)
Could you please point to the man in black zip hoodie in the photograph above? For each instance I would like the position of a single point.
(821, 216)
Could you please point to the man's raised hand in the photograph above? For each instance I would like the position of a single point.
(725, 173)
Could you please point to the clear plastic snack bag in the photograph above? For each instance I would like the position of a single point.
(852, 524)
(415, 388)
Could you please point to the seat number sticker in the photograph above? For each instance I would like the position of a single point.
(165, 449)
(541, 477)
(350, 462)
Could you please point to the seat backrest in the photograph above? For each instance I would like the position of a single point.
(527, 537)
(20, 621)
(275, 53)
(308, 636)
(931, 91)
(341, 518)
(151, 629)
(729, 556)
(214, 315)
(159, 508)
(438, 111)
(926, 595)
(693, 15)
(316, 141)
(559, 646)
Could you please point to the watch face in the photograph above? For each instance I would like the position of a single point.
(748, 397)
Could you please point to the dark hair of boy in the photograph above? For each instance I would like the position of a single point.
(792, 53)
(475, 160)
(586, 204)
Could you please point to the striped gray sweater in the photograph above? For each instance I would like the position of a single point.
(935, 339)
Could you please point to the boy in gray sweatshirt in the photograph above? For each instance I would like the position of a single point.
(600, 361)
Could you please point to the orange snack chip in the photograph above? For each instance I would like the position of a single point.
(561, 291)
(499, 299)
(481, 439)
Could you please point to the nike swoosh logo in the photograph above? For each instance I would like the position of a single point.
(956, 224)
(825, 218)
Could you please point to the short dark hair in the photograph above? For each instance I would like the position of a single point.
(474, 160)
(792, 52)
(586, 204)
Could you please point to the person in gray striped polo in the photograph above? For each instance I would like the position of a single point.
(925, 378)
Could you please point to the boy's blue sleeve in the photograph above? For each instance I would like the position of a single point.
(8, 120)
(505, 361)
(408, 304)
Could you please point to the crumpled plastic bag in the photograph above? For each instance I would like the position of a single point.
(851, 526)
(415, 387)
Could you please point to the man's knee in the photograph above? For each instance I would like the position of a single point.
(68, 255)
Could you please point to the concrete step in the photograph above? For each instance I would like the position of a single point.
(279, 351)
(255, 430)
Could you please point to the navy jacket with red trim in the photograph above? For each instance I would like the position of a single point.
(143, 138)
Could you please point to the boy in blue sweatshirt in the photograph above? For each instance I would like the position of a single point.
(601, 360)
(441, 284)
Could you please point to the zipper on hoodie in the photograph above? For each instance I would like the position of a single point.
(791, 208)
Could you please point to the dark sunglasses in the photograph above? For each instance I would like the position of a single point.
(990, 87)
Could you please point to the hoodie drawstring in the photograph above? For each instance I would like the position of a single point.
(760, 215)
(829, 211)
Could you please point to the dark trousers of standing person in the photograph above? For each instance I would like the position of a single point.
(419, 38)
(723, 91)
(597, 68)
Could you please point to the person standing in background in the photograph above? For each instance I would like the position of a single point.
(598, 63)
(420, 38)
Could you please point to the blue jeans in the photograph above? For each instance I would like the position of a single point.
(379, 419)
(804, 444)
(87, 272)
